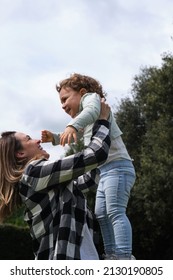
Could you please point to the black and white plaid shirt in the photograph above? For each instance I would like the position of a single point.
(56, 209)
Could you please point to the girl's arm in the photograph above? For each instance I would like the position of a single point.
(90, 111)
(48, 136)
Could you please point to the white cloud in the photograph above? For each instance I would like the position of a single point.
(44, 41)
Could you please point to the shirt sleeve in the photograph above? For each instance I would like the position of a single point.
(43, 174)
(90, 111)
(88, 181)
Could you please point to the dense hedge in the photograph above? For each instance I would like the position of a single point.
(15, 243)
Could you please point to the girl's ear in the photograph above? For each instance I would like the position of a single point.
(82, 91)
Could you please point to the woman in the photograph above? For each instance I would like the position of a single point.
(56, 211)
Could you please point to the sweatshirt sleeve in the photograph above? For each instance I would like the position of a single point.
(89, 111)
(56, 139)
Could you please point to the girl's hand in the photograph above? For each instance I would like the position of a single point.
(69, 135)
(46, 136)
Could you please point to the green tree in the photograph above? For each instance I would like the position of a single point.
(147, 123)
(75, 147)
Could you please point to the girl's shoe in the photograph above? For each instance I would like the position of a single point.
(113, 257)
(109, 257)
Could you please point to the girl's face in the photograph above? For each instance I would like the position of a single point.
(70, 100)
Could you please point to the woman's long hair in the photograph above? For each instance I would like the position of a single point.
(10, 173)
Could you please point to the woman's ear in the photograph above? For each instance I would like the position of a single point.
(82, 91)
(20, 155)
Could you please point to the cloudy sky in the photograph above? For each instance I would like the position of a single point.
(44, 41)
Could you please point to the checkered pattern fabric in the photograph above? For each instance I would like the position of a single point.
(56, 209)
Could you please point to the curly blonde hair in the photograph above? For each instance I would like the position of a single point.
(77, 82)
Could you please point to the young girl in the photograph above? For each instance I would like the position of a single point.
(80, 96)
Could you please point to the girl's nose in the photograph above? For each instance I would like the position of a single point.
(63, 106)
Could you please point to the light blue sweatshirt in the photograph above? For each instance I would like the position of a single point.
(89, 111)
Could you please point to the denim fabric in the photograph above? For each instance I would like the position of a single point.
(87, 249)
(116, 181)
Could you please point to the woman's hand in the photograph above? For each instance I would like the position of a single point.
(105, 110)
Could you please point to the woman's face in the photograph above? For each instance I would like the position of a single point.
(70, 100)
(30, 147)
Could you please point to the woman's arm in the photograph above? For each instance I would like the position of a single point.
(88, 181)
(46, 174)
(42, 174)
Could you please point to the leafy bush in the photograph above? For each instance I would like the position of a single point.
(15, 243)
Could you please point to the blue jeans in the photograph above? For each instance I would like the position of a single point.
(116, 181)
